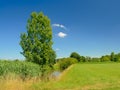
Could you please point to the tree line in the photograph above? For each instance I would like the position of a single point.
(105, 58)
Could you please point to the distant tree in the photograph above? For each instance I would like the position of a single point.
(82, 59)
(75, 55)
(112, 56)
(37, 42)
(117, 57)
(95, 59)
(105, 58)
(87, 59)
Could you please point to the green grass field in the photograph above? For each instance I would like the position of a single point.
(101, 76)
(85, 77)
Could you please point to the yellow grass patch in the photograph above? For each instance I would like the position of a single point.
(16, 84)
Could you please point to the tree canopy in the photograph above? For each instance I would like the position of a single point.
(75, 55)
(37, 42)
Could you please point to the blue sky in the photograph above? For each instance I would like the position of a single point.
(89, 27)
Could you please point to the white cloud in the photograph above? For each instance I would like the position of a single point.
(61, 34)
(59, 25)
(57, 49)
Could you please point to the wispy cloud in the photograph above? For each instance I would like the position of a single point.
(57, 49)
(59, 25)
(61, 34)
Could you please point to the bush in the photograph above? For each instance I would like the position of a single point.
(66, 62)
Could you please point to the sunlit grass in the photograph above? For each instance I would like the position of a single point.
(104, 76)
(14, 84)
(86, 77)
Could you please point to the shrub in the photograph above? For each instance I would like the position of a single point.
(66, 62)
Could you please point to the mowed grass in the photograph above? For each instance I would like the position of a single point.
(85, 77)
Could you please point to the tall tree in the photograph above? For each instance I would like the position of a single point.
(37, 42)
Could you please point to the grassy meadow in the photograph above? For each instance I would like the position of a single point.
(85, 77)
(96, 76)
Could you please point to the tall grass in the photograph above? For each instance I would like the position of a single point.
(20, 68)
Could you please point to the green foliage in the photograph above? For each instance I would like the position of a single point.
(20, 68)
(66, 62)
(37, 42)
(86, 59)
(117, 57)
(75, 55)
(112, 56)
(105, 58)
(95, 60)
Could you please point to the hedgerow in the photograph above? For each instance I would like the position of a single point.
(66, 62)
